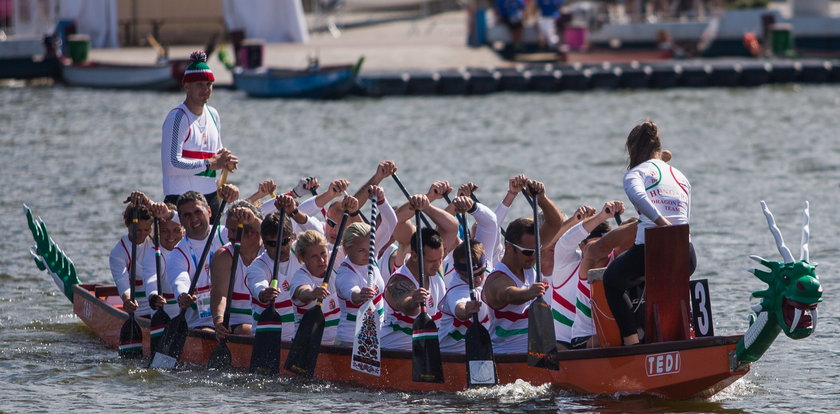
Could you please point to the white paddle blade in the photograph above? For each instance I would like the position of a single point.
(482, 373)
(366, 356)
(163, 361)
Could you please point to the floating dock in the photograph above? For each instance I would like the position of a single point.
(606, 76)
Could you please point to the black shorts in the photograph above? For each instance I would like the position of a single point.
(512, 24)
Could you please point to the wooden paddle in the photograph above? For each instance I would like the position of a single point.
(542, 344)
(160, 318)
(481, 365)
(303, 357)
(265, 356)
(426, 365)
(408, 197)
(131, 337)
(220, 356)
(366, 355)
(175, 334)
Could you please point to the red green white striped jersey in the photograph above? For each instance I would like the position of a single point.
(509, 324)
(396, 332)
(329, 307)
(257, 279)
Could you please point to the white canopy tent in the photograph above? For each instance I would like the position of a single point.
(275, 21)
(97, 18)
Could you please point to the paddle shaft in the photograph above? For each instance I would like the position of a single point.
(132, 274)
(334, 252)
(156, 240)
(471, 280)
(419, 245)
(537, 264)
(408, 196)
(232, 282)
(372, 248)
(276, 267)
(617, 217)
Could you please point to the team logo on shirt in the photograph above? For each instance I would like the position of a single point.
(286, 285)
(431, 302)
(332, 304)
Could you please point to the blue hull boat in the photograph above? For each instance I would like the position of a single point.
(322, 82)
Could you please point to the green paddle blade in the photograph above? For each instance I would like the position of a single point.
(131, 339)
(542, 345)
(426, 365)
(481, 366)
(220, 356)
(265, 357)
(307, 343)
(172, 342)
(158, 324)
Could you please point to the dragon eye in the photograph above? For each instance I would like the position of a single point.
(785, 277)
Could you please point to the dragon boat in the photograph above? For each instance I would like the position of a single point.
(681, 358)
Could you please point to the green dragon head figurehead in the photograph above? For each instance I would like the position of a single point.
(789, 304)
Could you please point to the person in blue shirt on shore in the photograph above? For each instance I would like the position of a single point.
(549, 22)
(511, 13)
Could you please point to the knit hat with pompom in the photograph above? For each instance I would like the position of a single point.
(198, 70)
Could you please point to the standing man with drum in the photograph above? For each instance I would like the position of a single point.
(191, 148)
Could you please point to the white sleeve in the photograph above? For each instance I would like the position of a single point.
(300, 278)
(312, 223)
(256, 278)
(175, 130)
(118, 262)
(634, 187)
(346, 283)
(309, 207)
(150, 273)
(487, 228)
(386, 226)
(267, 208)
(501, 212)
(567, 245)
(178, 268)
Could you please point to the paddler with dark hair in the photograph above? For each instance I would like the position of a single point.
(403, 294)
(260, 271)
(509, 290)
(240, 212)
(191, 149)
(584, 227)
(351, 279)
(662, 195)
(194, 214)
(120, 260)
(171, 232)
(456, 306)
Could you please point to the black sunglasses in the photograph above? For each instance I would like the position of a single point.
(273, 243)
(331, 222)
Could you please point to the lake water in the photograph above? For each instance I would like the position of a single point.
(74, 154)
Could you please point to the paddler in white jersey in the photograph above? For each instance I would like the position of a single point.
(240, 212)
(260, 272)
(403, 294)
(191, 149)
(171, 232)
(353, 285)
(584, 226)
(662, 195)
(120, 260)
(194, 214)
(509, 290)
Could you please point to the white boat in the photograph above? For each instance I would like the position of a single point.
(121, 76)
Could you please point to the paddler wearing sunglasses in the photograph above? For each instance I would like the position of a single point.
(509, 290)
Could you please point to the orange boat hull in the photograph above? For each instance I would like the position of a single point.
(673, 370)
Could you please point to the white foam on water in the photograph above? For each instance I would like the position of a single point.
(509, 393)
(739, 389)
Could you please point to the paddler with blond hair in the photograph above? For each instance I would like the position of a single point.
(191, 149)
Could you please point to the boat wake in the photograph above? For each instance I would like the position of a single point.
(516, 392)
(738, 390)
